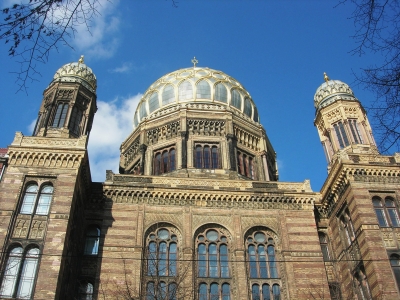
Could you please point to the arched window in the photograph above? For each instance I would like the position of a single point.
(395, 263)
(20, 273)
(162, 252)
(168, 95)
(153, 102)
(164, 161)
(143, 110)
(347, 226)
(262, 265)
(185, 91)
(75, 120)
(236, 100)
(386, 212)
(255, 115)
(341, 134)
(213, 262)
(92, 241)
(203, 90)
(135, 119)
(246, 165)
(37, 203)
(221, 94)
(206, 157)
(86, 291)
(61, 114)
(361, 282)
(323, 241)
(355, 131)
(247, 107)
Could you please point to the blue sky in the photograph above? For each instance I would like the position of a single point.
(278, 50)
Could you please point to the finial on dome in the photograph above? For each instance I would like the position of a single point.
(80, 61)
(194, 62)
(326, 78)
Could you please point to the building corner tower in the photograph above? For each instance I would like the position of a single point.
(44, 190)
(358, 217)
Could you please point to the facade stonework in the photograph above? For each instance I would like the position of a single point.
(196, 211)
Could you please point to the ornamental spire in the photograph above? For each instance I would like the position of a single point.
(326, 78)
(81, 61)
(194, 62)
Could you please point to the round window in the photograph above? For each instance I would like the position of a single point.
(259, 237)
(163, 234)
(212, 235)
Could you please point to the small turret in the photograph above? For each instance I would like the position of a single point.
(341, 120)
(69, 103)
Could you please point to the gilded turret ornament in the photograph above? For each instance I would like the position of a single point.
(326, 78)
(80, 61)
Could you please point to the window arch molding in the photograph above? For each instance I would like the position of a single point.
(213, 266)
(262, 267)
(386, 210)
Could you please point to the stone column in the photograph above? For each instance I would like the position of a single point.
(142, 150)
(184, 149)
(231, 139)
(265, 166)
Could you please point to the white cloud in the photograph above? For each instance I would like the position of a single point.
(31, 126)
(113, 122)
(98, 37)
(124, 68)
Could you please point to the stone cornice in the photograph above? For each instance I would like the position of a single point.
(51, 143)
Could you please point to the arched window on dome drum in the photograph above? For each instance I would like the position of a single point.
(355, 131)
(168, 95)
(185, 91)
(143, 110)
(395, 263)
(203, 90)
(61, 114)
(341, 134)
(221, 93)
(164, 161)
(206, 157)
(247, 107)
(255, 115)
(20, 273)
(135, 120)
(75, 120)
(236, 100)
(153, 102)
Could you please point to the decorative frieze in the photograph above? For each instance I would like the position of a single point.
(132, 151)
(45, 159)
(206, 127)
(164, 132)
(42, 142)
(65, 93)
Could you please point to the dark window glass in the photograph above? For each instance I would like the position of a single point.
(355, 131)
(395, 263)
(236, 100)
(157, 164)
(221, 94)
(255, 292)
(172, 160)
(247, 107)
(203, 291)
(199, 157)
(380, 212)
(255, 115)
(323, 241)
(61, 114)
(168, 95)
(75, 120)
(202, 260)
(276, 291)
(214, 153)
(393, 213)
(153, 102)
(246, 165)
(164, 161)
(266, 292)
(207, 157)
(386, 212)
(92, 241)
